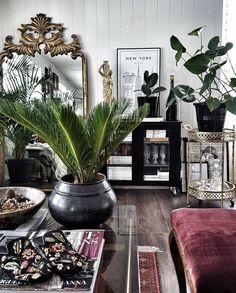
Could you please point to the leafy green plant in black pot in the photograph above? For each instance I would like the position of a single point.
(84, 197)
(149, 90)
(215, 94)
(20, 80)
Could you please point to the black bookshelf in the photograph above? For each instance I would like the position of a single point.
(145, 169)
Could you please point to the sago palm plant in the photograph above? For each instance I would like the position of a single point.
(83, 144)
(20, 81)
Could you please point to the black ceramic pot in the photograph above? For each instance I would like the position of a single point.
(153, 104)
(82, 205)
(20, 170)
(210, 121)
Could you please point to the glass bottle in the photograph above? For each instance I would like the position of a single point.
(171, 111)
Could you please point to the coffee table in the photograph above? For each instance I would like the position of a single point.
(118, 271)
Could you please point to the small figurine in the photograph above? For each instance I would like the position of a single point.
(106, 73)
(46, 171)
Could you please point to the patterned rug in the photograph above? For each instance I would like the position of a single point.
(148, 269)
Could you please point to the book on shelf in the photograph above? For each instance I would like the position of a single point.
(161, 176)
(119, 173)
(86, 242)
(153, 119)
(156, 135)
(156, 139)
(120, 160)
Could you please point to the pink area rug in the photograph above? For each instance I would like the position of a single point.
(148, 270)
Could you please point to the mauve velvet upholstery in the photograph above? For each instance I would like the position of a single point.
(207, 242)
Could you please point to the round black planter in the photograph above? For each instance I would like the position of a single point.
(153, 104)
(210, 121)
(82, 205)
(20, 170)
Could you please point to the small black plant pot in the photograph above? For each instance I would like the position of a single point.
(153, 104)
(20, 170)
(210, 121)
(82, 205)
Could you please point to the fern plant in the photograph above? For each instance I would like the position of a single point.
(83, 144)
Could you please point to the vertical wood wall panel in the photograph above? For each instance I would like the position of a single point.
(105, 25)
(127, 37)
(114, 37)
(139, 22)
(102, 38)
(151, 24)
(91, 44)
(78, 18)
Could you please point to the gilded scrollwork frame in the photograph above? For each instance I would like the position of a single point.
(42, 31)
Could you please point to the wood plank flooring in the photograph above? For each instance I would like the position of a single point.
(153, 208)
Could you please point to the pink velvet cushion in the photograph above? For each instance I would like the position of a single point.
(207, 240)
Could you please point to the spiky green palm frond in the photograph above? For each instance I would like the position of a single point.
(108, 127)
(20, 81)
(20, 78)
(83, 145)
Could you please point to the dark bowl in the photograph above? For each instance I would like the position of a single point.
(12, 219)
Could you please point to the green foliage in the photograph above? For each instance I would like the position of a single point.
(150, 81)
(83, 144)
(206, 65)
(20, 79)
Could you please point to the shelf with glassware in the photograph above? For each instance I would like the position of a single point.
(119, 165)
(150, 157)
(217, 150)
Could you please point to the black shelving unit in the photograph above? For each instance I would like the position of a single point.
(161, 167)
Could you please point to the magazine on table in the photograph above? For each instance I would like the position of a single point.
(87, 243)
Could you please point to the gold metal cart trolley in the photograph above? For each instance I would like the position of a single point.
(215, 186)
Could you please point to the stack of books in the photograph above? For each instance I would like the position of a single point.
(86, 242)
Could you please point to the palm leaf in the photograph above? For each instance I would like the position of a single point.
(20, 78)
(83, 145)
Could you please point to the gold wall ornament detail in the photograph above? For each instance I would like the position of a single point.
(41, 31)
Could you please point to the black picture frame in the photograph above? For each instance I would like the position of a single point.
(131, 64)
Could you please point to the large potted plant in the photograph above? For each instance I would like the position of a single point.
(149, 90)
(215, 94)
(83, 197)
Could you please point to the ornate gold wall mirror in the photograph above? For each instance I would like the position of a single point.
(42, 41)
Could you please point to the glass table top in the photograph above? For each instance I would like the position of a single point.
(118, 271)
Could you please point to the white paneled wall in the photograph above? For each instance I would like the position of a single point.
(104, 25)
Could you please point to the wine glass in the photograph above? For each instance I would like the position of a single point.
(147, 154)
(163, 154)
(155, 153)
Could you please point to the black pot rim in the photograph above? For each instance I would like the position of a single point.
(205, 104)
(100, 178)
(20, 160)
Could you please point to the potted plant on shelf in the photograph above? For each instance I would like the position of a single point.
(150, 93)
(84, 197)
(20, 80)
(215, 94)
(19, 167)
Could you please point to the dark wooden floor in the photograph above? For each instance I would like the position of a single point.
(153, 217)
